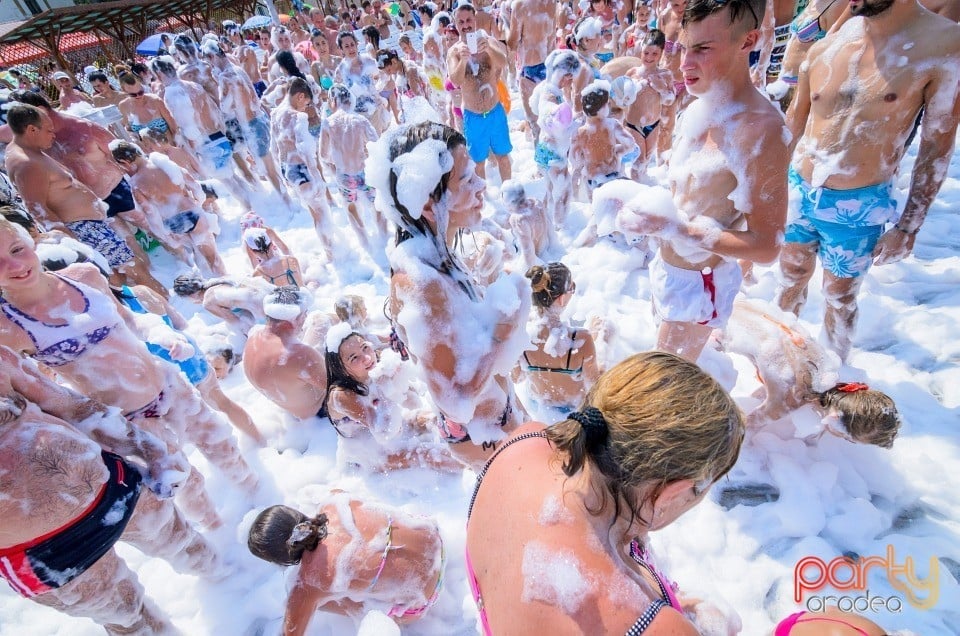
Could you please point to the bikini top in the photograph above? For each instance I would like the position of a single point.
(810, 30)
(60, 344)
(566, 370)
(159, 124)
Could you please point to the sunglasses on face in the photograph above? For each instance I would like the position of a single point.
(139, 93)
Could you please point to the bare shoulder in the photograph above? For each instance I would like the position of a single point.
(88, 274)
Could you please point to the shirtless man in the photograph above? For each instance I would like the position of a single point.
(727, 174)
(104, 94)
(69, 95)
(193, 69)
(281, 40)
(245, 121)
(343, 148)
(531, 38)
(290, 373)
(296, 149)
(201, 126)
(55, 197)
(60, 484)
(950, 9)
(83, 148)
(857, 100)
(484, 118)
(247, 59)
(174, 202)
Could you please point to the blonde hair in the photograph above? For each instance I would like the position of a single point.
(666, 420)
(19, 230)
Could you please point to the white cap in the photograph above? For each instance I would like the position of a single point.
(59, 75)
(90, 69)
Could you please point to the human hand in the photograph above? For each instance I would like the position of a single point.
(636, 222)
(893, 246)
(166, 475)
(181, 349)
(710, 620)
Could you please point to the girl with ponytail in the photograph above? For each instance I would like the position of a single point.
(353, 557)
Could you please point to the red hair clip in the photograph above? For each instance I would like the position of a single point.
(852, 387)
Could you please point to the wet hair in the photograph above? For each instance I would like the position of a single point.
(98, 76)
(56, 260)
(548, 282)
(163, 67)
(21, 115)
(139, 68)
(385, 56)
(373, 33)
(19, 217)
(32, 98)
(594, 99)
(346, 306)
(189, 284)
(747, 14)
(342, 96)
(185, 45)
(655, 37)
(299, 86)
(404, 39)
(572, 41)
(659, 419)
(125, 151)
(7, 223)
(337, 376)
(869, 416)
(275, 34)
(286, 61)
(129, 78)
(426, 10)
(343, 35)
(281, 535)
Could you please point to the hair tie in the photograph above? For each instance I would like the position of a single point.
(593, 423)
(852, 387)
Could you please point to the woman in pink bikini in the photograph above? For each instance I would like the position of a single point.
(354, 557)
(565, 553)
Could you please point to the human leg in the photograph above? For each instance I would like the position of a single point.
(686, 339)
(213, 393)
(110, 594)
(797, 261)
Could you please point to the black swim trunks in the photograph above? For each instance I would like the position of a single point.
(120, 199)
(58, 557)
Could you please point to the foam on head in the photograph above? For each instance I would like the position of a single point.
(595, 96)
(588, 28)
(512, 192)
(561, 62)
(286, 303)
(336, 335)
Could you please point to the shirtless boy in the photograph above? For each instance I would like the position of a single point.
(553, 105)
(484, 118)
(531, 38)
(728, 177)
(343, 148)
(655, 92)
(290, 373)
(296, 149)
(856, 103)
(601, 142)
(170, 199)
(54, 196)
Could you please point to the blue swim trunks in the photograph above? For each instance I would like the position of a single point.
(296, 173)
(487, 132)
(536, 73)
(217, 151)
(545, 156)
(845, 224)
(120, 199)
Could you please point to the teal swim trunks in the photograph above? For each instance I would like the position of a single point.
(845, 224)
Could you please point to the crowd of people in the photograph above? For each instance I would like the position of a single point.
(705, 136)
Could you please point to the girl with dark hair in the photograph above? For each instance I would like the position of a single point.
(239, 303)
(650, 439)
(406, 89)
(564, 364)
(352, 557)
(465, 338)
(366, 404)
(359, 73)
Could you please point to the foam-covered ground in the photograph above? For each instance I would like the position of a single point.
(787, 498)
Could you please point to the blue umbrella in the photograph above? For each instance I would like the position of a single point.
(151, 46)
(257, 22)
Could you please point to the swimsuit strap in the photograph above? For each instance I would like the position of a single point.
(639, 555)
(646, 618)
(486, 467)
(386, 550)
(573, 338)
